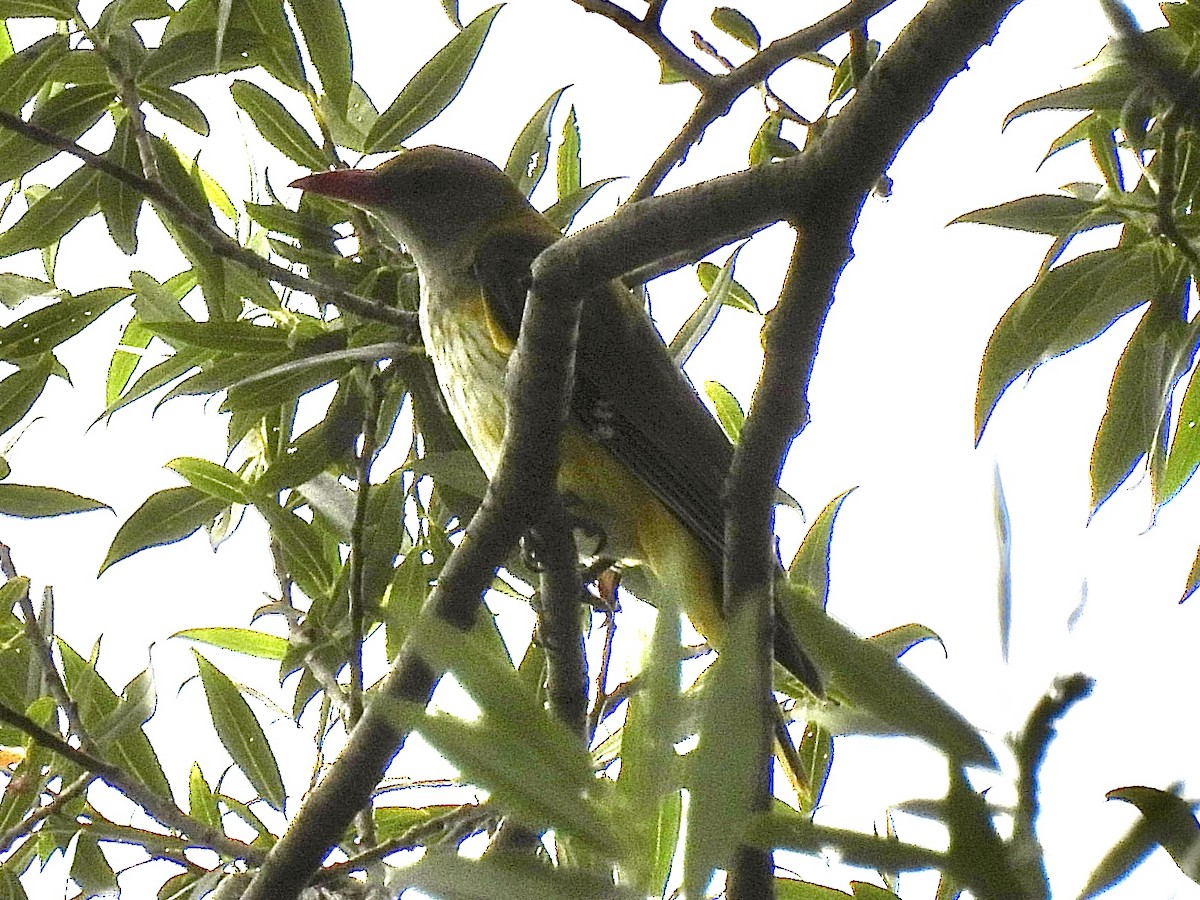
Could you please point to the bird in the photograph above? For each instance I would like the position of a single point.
(643, 463)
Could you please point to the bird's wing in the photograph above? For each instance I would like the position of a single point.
(629, 394)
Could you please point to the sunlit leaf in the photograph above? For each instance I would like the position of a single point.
(29, 501)
(323, 25)
(165, 517)
(246, 641)
(530, 154)
(44, 329)
(55, 214)
(1065, 308)
(240, 733)
(737, 26)
(278, 126)
(432, 88)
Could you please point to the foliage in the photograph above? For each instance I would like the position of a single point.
(358, 550)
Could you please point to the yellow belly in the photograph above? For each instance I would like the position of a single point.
(625, 519)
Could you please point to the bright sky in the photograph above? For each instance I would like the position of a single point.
(892, 414)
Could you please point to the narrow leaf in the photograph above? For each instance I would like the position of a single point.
(240, 733)
(165, 517)
(44, 329)
(530, 154)
(432, 88)
(55, 214)
(1065, 308)
(28, 501)
(277, 125)
(323, 25)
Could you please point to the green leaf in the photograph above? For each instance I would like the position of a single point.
(523, 756)
(323, 25)
(89, 869)
(228, 337)
(28, 501)
(214, 480)
(869, 678)
(507, 875)
(23, 74)
(186, 187)
(286, 381)
(246, 641)
(432, 88)
(1169, 822)
(736, 295)
(451, 9)
(302, 548)
(1139, 401)
(729, 411)
(1065, 308)
(816, 757)
(158, 375)
(240, 733)
(124, 363)
(351, 129)
(530, 154)
(165, 517)
(202, 804)
(44, 329)
(810, 565)
(68, 113)
(132, 711)
(737, 26)
(50, 9)
(733, 744)
(563, 212)
(120, 203)
(155, 302)
(567, 168)
(277, 125)
(277, 44)
(186, 56)
(15, 289)
(176, 105)
(1104, 151)
(1184, 456)
(127, 747)
(768, 144)
(649, 781)
(1054, 214)
(55, 214)
(20, 390)
(1108, 94)
(701, 321)
(899, 640)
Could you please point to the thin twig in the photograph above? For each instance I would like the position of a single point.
(216, 239)
(159, 808)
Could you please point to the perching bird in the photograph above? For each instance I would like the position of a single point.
(643, 463)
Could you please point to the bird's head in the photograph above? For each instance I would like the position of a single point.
(433, 199)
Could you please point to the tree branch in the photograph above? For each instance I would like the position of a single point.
(720, 93)
(649, 32)
(159, 808)
(216, 240)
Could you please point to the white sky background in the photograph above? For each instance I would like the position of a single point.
(892, 413)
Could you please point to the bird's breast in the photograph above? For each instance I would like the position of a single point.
(471, 361)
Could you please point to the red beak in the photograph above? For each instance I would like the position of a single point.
(358, 186)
